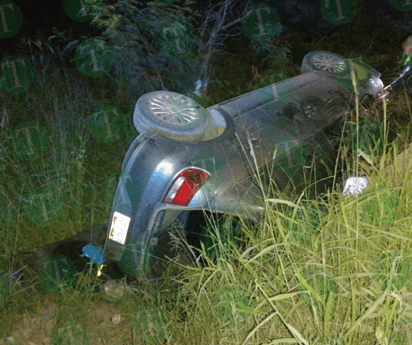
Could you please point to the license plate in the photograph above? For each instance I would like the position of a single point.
(119, 227)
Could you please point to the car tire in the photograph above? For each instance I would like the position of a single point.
(171, 114)
(324, 61)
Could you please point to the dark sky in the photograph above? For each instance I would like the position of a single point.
(41, 16)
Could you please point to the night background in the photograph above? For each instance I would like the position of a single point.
(375, 32)
(72, 160)
(380, 22)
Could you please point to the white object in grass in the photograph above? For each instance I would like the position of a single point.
(355, 185)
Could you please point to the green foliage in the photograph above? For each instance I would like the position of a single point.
(275, 48)
(304, 223)
(381, 207)
(356, 307)
(220, 237)
(134, 29)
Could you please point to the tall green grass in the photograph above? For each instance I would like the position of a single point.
(74, 163)
(325, 270)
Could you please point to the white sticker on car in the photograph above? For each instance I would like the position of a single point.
(119, 227)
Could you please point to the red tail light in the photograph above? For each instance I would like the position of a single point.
(186, 186)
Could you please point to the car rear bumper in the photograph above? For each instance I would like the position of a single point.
(244, 202)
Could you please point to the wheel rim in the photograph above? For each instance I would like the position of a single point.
(176, 109)
(328, 63)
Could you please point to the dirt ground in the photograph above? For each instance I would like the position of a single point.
(105, 324)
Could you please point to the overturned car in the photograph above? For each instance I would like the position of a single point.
(188, 158)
